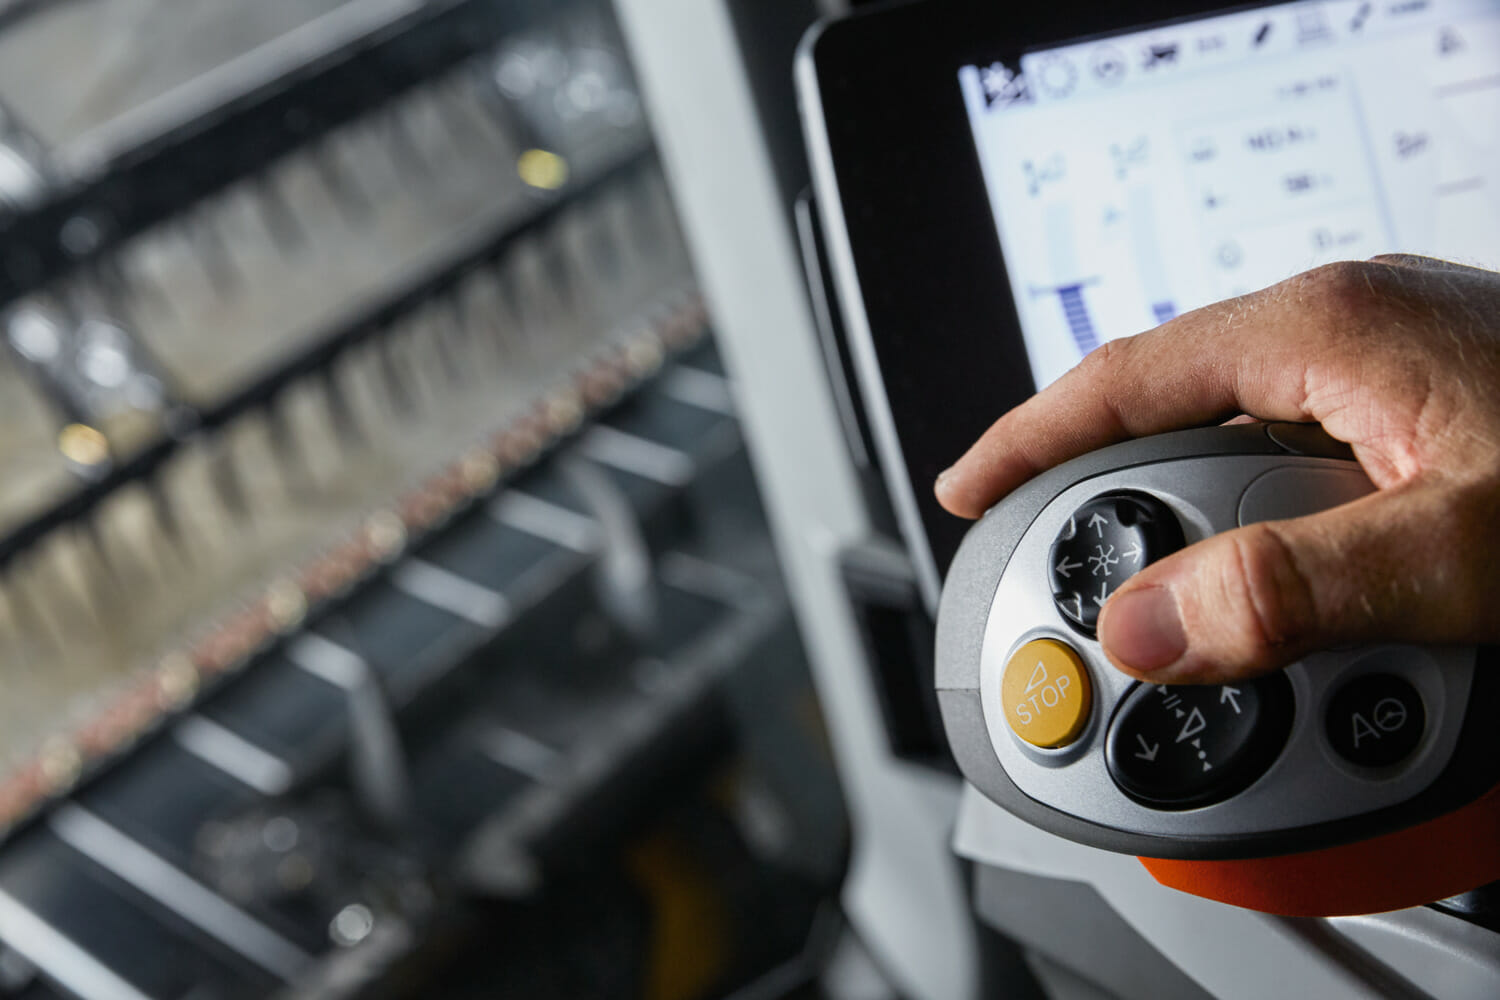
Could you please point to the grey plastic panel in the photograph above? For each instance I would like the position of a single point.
(1292, 491)
(1443, 955)
(1053, 916)
(1233, 953)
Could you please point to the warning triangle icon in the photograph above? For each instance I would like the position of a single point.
(1193, 726)
(1038, 676)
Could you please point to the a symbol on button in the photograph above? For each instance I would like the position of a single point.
(1390, 714)
(1101, 545)
(1231, 695)
(1038, 677)
(1102, 559)
(1193, 726)
(1376, 720)
(1147, 751)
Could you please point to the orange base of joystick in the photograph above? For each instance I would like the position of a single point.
(1434, 860)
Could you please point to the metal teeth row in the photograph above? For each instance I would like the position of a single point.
(91, 601)
(388, 209)
(379, 537)
(532, 309)
(553, 285)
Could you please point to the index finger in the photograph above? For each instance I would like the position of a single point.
(1245, 355)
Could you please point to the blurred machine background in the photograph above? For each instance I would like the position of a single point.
(386, 603)
(442, 555)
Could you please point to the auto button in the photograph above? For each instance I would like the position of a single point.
(1375, 720)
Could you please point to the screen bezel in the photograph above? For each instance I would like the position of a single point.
(940, 329)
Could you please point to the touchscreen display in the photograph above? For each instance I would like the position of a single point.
(1140, 175)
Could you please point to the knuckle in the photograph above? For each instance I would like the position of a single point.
(1347, 288)
(1104, 370)
(1269, 592)
(1107, 358)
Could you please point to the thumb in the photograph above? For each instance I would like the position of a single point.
(1406, 564)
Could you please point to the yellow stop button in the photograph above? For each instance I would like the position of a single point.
(1046, 693)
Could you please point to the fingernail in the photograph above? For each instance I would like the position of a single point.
(1143, 630)
(942, 477)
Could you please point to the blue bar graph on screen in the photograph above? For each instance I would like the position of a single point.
(1076, 311)
(1149, 262)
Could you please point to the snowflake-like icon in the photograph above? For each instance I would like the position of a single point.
(1102, 559)
(1003, 86)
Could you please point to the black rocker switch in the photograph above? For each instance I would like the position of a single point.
(1177, 747)
(1106, 542)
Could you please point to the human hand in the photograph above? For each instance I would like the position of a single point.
(1400, 358)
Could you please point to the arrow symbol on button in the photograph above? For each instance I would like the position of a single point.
(1230, 694)
(1147, 751)
(1134, 552)
(1103, 593)
(1065, 567)
(1097, 522)
(1194, 725)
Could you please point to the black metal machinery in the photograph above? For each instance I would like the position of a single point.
(440, 651)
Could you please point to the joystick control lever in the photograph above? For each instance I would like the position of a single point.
(1277, 793)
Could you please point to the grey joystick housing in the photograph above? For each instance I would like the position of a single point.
(1342, 745)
